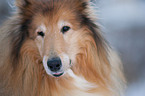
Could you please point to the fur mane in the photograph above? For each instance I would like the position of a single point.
(21, 69)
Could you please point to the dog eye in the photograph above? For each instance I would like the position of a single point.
(41, 33)
(65, 29)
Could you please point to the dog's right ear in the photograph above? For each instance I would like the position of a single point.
(23, 3)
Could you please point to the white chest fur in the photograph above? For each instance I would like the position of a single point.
(83, 86)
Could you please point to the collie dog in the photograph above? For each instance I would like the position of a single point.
(55, 48)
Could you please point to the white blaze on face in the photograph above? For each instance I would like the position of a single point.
(45, 65)
(65, 60)
(40, 40)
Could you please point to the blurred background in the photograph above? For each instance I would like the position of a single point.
(123, 24)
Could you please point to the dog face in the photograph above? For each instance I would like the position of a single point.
(56, 27)
(52, 38)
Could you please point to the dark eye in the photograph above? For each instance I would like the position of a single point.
(41, 33)
(65, 29)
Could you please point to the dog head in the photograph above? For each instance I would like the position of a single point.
(62, 31)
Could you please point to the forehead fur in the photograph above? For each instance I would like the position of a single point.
(58, 9)
(49, 6)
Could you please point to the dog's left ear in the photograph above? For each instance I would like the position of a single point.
(23, 3)
(87, 0)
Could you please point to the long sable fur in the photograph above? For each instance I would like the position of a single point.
(21, 70)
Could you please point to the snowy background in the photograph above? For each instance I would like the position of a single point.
(123, 24)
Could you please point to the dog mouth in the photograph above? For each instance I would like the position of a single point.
(58, 74)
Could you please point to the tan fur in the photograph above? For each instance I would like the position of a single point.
(93, 62)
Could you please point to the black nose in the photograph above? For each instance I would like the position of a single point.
(54, 64)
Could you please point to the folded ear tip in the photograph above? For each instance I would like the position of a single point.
(22, 2)
(87, 0)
